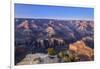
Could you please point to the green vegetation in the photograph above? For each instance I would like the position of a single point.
(67, 56)
(51, 51)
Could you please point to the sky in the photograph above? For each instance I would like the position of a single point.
(53, 12)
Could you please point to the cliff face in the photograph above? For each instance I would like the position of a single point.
(24, 24)
(73, 39)
(84, 52)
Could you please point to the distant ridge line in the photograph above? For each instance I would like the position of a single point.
(54, 19)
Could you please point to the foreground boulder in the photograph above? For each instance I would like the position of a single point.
(84, 52)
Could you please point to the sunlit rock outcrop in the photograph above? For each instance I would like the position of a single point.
(81, 49)
(24, 24)
(50, 31)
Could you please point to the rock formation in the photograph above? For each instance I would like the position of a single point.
(81, 50)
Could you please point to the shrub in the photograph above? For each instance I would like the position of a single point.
(67, 56)
(51, 51)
